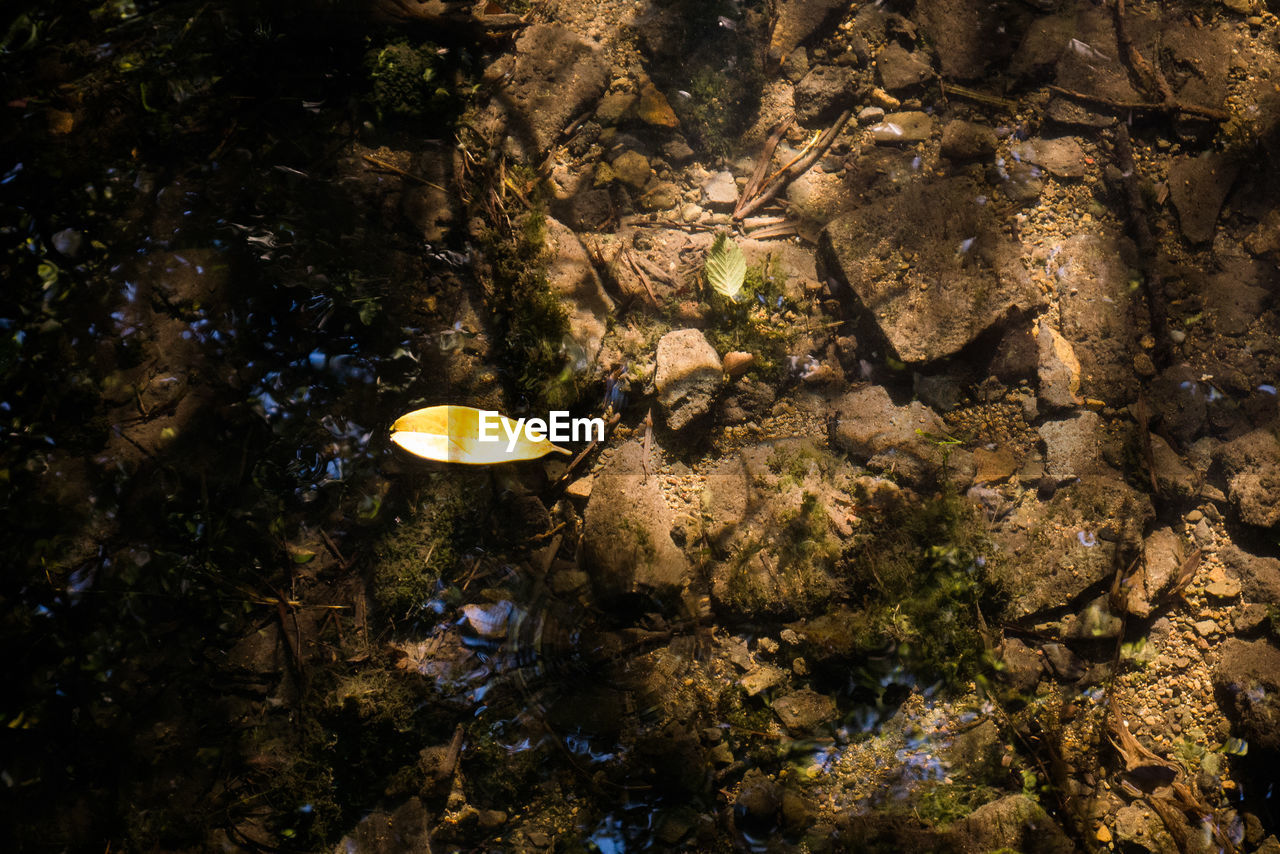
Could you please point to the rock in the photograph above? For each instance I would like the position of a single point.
(940, 393)
(588, 210)
(994, 466)
(964, 141)
(677, 152)
(556, 76)
(796, 20)
(823, 93)
(1181, 403)
(403, 831)
(1259, 576)
(1139, 826)
(573, 279)
(1221, 585)
(1252, 466)
(1198, 186)
(632, 168)
(1064, 663)
(1062, 157)
(966, 275)
(762, 678)
(756, 807)
(816, 196)
(900, 70)
(626, 536)
(1022, 667)
(1013, 823)
(902, 128)
(1092, 622)
(1072, 445)
(884, 436)
(774, 514)
(1163, 554)
(1247, 677)
(720, 191)
(1264, 240)
(662, 197)
(614, 106)
(1237, 296)
(1055, 552)
(1173, 477)
(688, 376)
(1094, 311)
(870, 115)
(965, 35)
(1058, 370)
(804, 711)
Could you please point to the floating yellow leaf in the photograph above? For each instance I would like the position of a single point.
(654, 108)
(462, 434)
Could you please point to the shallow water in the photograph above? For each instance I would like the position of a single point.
(236, 617)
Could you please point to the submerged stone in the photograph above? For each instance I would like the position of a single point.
(688, 376)
(626, 536)
(931, 267)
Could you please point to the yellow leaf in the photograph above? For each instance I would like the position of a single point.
(452, 434)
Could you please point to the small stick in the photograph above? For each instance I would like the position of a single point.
(1144, 106)
(795, 171)
(1152, 285)
(391, 167)
(757, 177)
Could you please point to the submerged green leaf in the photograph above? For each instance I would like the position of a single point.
(726, 268)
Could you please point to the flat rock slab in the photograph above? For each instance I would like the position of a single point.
(930, 267)
(1248, 674)
(574, 280)
(688, 376)
(1092, 273)
(804, 710)
(1062, 157)
(720, 191)
(556, 76)
(887, 437)
(968, 35)
(967, 141)
(1072, 445)
(900, 70)
(1055, 552)
(902, 128)
(1252, 465)
(796, 20)
(1198, 186)
(626, 535)
(774, 516)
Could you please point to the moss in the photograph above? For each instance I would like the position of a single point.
(530, 321)
(414, 559)
(925, 572)
(405, 80)
(801, 576)
(944, 803)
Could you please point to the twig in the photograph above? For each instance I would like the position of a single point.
(391, 167)
(644, 278)
(1148, 77)
(975, 95)
(795, 170)
(1143, 106)
(1152, 284)
(762, 165)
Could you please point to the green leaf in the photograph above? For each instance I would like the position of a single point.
(726, 268)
